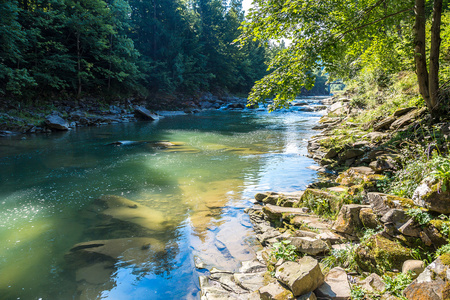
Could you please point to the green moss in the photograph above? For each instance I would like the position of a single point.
(445, 258)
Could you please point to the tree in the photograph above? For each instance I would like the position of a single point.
(327, 33)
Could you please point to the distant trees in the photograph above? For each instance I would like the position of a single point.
(121, 47)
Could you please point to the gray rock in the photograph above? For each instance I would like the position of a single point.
(308, 245)
(143, 113)
(430, 284)
(383, 203)
(402, 111)
(249, 281)
(348, 219)
(384, 124)
(410, 228)
(336, 285)
(368, 218)
(429, 195)
(275, 291)
(252, 266)
(414, 266)
(302, 277)
(396, 216)
(373, 284)
(407, 119)
(56, 122)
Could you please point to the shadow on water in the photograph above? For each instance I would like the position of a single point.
(82, 218)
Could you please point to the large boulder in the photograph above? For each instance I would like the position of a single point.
(384, 124)
(368, 218)
(430, 195)
(348, 220)
(379, 254)
(433, 283)
(143, 113)
(56, 122)
(276, 213)
(301, 277)
(336, 285)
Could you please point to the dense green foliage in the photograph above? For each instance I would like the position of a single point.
(369, 40)
(121, 47)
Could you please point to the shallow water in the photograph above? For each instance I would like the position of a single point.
(195, 190)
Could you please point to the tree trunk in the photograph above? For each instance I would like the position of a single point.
(433, 76)
(419, 52)
(79, 64)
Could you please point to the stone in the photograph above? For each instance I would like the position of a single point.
(381, 165)
(336, 285)
(379, 254)
(414, 266)
(396, 216)
(384, 124)
(368, 218)
(249, 281)
(275, 291)
(226, 280)
(301, 277)
(309, 245)
(402, 111)
(376, 136)
(432, 283)
(348, 219)
(332, 153)
(143, 113)
(267, 197)
(373, 283)
(135, 250)
(382, 203)
(355, 175)
(275, 213)
(410, 228)
(351, 153)
(429, 195)
(252, 266)
(56, 122)
(407, 119)
(119, 209)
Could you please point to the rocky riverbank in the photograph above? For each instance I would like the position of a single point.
(68, 115)
(343, 238)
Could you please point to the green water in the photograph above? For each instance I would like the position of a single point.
(200, 185)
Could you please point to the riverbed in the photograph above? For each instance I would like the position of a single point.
(197, 171)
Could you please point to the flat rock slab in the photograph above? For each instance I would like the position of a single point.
(301, 277)
(336, 285)
(249, 281)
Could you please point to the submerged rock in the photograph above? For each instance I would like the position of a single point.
(143, 113)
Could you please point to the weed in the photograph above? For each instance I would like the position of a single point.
(442, 250)
(441, 170)
(357, 293)
(421, 217)
(396, 285)
(341, 258)
(284, 250)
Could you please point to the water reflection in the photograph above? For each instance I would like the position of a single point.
(87, 220)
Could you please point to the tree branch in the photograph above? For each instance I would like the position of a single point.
(374, 22)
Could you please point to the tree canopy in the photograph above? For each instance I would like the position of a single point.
(113, 48)
(345, 37)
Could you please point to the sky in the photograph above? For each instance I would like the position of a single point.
(246, 4)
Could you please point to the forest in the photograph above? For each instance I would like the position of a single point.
(118, 48)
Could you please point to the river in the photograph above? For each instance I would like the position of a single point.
(196, 172)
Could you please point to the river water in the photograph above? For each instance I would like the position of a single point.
(197, 182)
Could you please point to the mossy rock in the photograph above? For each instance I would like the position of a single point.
(321, 202)
(379, 254)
